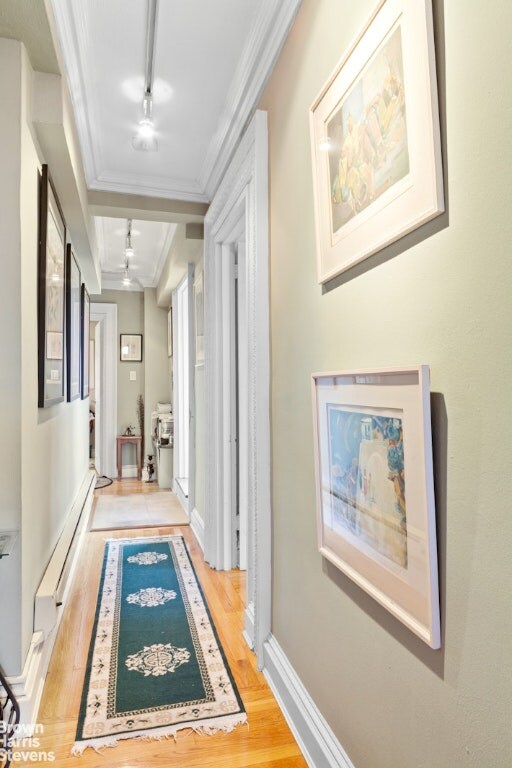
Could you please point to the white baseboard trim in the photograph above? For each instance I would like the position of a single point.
(28, 687)
(197, 525)
(248, 632)
(319, 745)
(183, 500)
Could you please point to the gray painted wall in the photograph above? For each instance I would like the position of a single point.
(440, 296)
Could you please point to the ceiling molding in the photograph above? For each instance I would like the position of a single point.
(153, 186)
(112, 284)
(272, 24)
(71, 22)
(271, 28)
(171, 231)
(70, 19)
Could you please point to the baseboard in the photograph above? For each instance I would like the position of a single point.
(197, 525)
(248, 632)
(319, 745)
(183, 500)
(28, 687)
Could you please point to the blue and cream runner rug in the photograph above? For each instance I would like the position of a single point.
(155, 665)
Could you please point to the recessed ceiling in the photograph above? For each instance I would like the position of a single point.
(151, 241)
(212, 60)
(199, 46)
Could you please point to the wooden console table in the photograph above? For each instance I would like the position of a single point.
(124, 440)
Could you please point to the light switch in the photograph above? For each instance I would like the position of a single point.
(133, 375)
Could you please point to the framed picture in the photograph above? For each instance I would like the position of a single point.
(73, 326)
(169, 333)
(375, 139)
(51, 295)
(375, 489)
(85, 340)
(131, 347)
(199, 317)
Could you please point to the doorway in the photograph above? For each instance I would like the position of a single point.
(94, 395)
(183, 391)
(237, 223)
(105, 377)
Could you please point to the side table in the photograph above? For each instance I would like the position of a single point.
(124, 440)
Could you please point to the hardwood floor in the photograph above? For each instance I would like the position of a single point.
(265, 742)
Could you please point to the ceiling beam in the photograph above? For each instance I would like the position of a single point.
(118, 205)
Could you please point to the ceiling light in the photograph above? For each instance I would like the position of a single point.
(145, 140)
(146, 128)
(128, 251)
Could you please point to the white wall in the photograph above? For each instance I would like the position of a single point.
(10, 369)
(47, 449)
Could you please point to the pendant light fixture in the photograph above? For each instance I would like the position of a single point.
(128, 253)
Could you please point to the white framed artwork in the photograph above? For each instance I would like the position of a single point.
(375, 488)
(375, 139)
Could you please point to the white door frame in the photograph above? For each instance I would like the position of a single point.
(106, 316)
(242, 192)
(183, 341)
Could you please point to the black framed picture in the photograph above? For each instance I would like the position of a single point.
(73, 326)
(51, 295)
(85, 340)
(130, 348)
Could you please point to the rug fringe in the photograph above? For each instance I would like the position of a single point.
(203, 728)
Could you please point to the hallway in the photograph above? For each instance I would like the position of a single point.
(265, 741)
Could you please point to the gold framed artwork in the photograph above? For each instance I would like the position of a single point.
(375, 489)
(375, 139)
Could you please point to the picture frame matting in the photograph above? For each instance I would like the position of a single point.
(375, 139)
(375, 488)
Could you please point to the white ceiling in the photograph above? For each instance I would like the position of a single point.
(151, 241)
(212, 60)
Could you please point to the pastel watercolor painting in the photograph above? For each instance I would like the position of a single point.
(367, 135)
(367, 480)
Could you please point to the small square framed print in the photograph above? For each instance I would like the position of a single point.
(131, 348)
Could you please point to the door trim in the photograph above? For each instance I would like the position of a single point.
(106, 316)
(242, 192)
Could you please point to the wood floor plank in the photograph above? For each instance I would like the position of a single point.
(265, 742)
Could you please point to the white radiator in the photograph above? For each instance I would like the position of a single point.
(54, 585)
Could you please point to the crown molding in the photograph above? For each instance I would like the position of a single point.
(110, 283)
(152, 186)
(71, 22)
(269, 32)
(171, 231)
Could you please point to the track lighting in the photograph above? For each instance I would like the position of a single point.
(145, 140)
